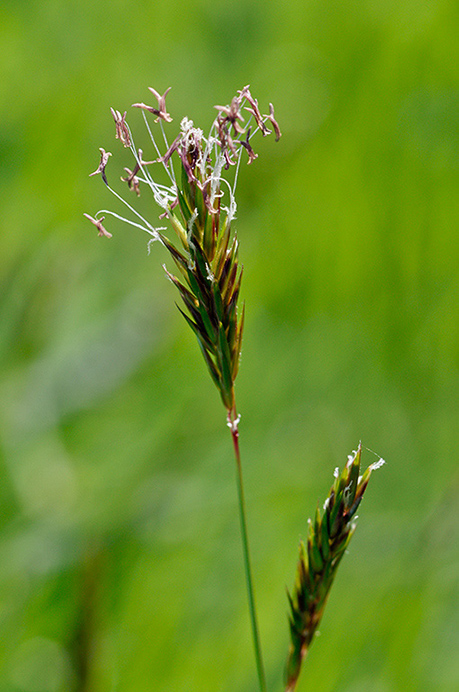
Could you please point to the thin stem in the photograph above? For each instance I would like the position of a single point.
(233, 420)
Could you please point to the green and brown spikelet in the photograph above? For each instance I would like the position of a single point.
(328, 538)
(210, 278)
(199, 203)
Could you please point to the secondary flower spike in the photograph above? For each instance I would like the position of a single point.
(320, 555)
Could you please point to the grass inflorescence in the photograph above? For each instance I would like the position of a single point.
(199, 204)
(328, 537)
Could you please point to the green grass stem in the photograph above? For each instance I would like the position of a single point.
(233, 424)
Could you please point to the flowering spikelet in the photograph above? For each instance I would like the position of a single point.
(199, 204)
(328, 538)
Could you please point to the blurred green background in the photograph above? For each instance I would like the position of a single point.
(120, 555)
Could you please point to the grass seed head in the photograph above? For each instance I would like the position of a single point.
(328, 538)
(199, 204)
